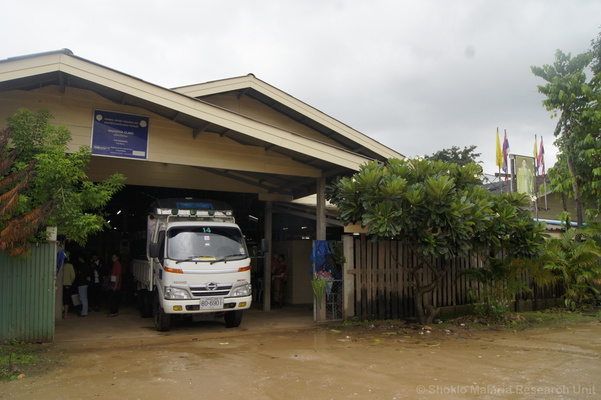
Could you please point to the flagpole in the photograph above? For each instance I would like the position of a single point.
(545, 194)
(500, 180)
(536, 185)
(499, 160)
(541, 154)
(506, 166)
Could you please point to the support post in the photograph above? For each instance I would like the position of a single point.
(319, 309)
(348, 277)
(267, 264)
(320, 217)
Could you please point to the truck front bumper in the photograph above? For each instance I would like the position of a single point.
(204, 305)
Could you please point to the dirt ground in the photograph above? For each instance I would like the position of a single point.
(285, 355)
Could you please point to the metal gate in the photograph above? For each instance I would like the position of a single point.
(334, 305)
(327, 258)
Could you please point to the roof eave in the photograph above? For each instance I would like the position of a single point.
(64, 61)
(252, 82)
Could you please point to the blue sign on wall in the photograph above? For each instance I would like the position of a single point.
(120, 135)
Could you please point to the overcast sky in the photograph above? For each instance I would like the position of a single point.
(417, 76)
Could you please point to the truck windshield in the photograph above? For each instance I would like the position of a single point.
(205, 243)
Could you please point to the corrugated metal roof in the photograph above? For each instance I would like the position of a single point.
(343, 156)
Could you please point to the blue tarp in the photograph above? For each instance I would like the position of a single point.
(321, 249)
(60, 260)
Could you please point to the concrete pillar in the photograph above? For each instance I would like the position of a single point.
(320, 217)
(268, 228)
(319, 309)
(348, 277)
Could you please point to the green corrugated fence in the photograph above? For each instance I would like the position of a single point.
(27, 295)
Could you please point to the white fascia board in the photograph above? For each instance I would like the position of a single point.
(220, 86)
(215, 87)
(216, 115)
(24, 67)
(324, 119)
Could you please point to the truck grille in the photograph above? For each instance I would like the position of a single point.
(211, 289)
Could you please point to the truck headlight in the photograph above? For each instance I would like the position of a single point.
(172, 293)
(242, 291)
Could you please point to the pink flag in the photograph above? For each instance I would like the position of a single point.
(505, 154)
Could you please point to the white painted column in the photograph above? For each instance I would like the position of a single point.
(268, 228)
(319, 310)
(348, 277)
(320, 217)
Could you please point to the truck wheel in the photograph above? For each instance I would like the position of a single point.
(162, 320)
(145, 303)
(233, 318)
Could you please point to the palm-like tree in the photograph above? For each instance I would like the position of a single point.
(575, 264)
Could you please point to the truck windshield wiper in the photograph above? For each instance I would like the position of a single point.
(190, 258)
(224, 258)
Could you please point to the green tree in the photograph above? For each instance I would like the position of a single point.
(43, 184)
(456, 155)
(574, 264)
(576, 102)
(596, 52)
(438, 210)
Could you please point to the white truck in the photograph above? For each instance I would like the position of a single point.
(197, 264)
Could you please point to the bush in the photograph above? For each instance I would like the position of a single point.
(493, 310)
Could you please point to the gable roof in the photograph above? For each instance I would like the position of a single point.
(341, 151)
(249, 85)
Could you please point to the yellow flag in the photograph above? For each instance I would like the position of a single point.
(535, 152)
(499, 152)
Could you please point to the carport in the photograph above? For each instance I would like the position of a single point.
(239, 135)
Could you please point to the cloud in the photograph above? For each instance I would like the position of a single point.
(417, 76)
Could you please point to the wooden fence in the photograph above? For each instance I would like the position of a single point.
(382, 288)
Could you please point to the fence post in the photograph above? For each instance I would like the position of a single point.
(348, 277)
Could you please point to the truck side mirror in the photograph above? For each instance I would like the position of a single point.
(263, 248)
(153, 250)
(156, 248)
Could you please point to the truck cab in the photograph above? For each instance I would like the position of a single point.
(197, 262)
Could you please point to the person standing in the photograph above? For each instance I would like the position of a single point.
(114, 288)
(95, 290)
(83, 278)
(68, 278)
(279, 279)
